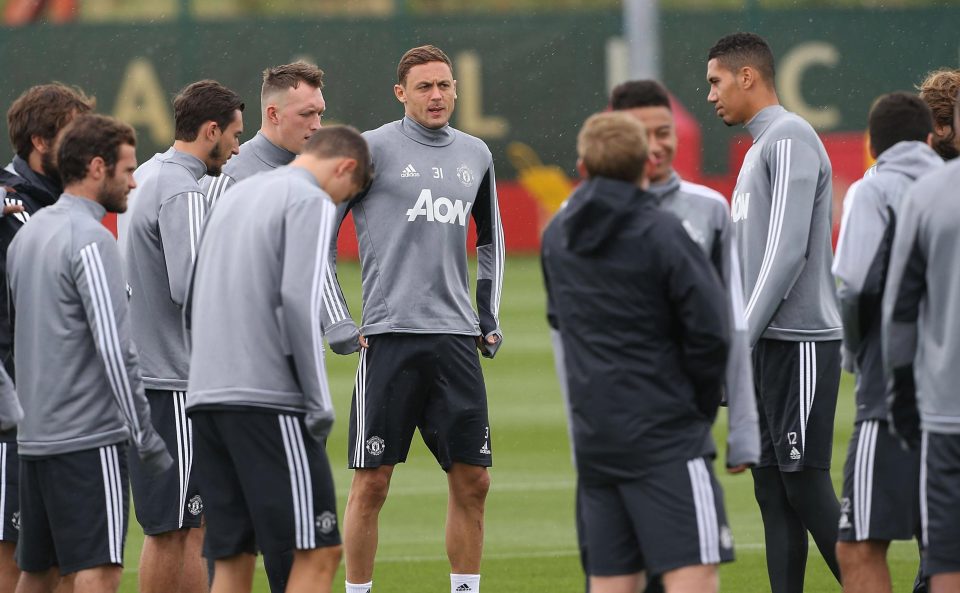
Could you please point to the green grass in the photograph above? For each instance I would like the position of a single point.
(530, 540)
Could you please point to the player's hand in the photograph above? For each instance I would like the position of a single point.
(9, 209)
(489, 345)
(154, 455)
(319, 424)
(364, 344)
(902, 413)
(738, 469)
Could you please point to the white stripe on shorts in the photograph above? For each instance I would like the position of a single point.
(923, 490)
(301, 484)
(360, 389)
(808, 387)
(708, 528)
(112, 491)
(3, 489)
(863, 478)
(184, 449)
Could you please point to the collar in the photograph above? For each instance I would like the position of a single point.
(270, 153)
(94, 209)
(35, 179)
(762, 120)
(191, 163)
(305, 175)
(441, 137)
(665, 188)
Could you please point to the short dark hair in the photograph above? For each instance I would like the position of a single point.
(744, 49)
(613, 145)
(289, 76)
(343, 141)
(639, 93)
(420, 55)
(200, 102)
(896, 117)
(87, 137)
(44, 110)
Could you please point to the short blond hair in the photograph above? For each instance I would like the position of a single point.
(613, 145)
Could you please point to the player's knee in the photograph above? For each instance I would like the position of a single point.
(869, 552)
(470, 483)
(370, 487)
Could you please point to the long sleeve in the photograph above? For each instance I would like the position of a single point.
(10, 411)
(905, 288)
(490, 254)
(181, 223)
(308, 225)
(99, 278)
(341, 330)
(699, 302)
(864, 225)
(794, 169)
(743, 434)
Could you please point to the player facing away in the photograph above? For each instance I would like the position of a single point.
(705, 215)
(940, 90)
(31, 182)
(920, 349)
(258, 396)
(164, 231)
(70, 309)
(419, 367)
(291, 107)
(880, 486)
(644, 324)
(781, 210)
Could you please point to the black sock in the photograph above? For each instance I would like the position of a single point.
(784, 533)
(582, 539)
(277, 567)
(812, 496)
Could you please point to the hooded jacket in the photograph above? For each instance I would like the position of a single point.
(644, 325)
(921, 306)
(870, 211)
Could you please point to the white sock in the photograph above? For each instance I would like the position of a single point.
(362, 588)
(464, 583)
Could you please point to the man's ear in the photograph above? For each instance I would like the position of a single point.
(582, 169)
(97, 169)
(747, 77)
(346, 166)
(400, 93)
(272, 116)
(209, 131)
(40, 144)
(929, 140)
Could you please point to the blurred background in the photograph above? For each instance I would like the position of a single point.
(529, 71)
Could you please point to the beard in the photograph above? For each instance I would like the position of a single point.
(216, 156)
(113, 195)
(49, 165)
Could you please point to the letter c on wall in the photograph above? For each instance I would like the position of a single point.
(792, 67)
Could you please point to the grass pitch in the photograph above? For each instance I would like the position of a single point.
(530, 541)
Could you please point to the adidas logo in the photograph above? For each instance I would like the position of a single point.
(409, 171)
(485, 449)
(794, 454)
(464, 587)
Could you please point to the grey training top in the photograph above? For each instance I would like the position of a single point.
(254, 307)
(164, 231)
(705, 215)
(869, 208)
(921, 306)
(257, 155)
(412, 230)
(782, 207)
(77, 371)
